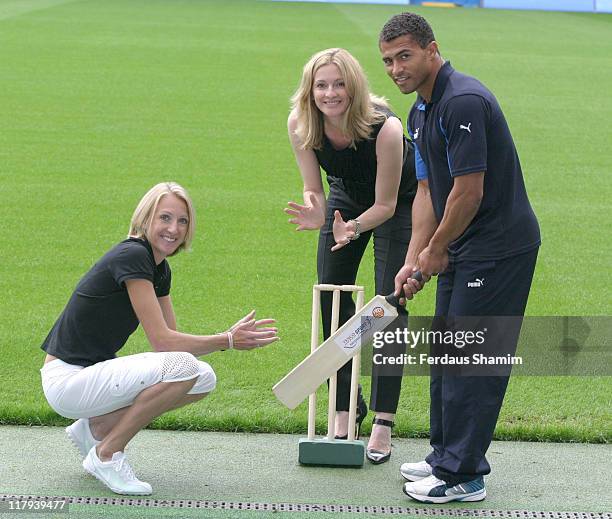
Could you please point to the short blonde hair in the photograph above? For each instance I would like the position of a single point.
(364, 107)
(143, 215)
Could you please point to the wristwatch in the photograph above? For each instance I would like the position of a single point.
(357, 225)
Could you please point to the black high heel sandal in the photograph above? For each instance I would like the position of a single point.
(362, 412)
(374, 456)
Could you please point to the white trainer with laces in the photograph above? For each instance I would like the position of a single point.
(80, 435)
(116, 474)
(416, 471)
(434, 490)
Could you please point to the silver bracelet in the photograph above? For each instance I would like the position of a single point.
(357, 225)
(230, 340)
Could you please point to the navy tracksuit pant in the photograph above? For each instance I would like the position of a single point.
(464, 409)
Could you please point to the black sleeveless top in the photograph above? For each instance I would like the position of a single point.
(354, 170)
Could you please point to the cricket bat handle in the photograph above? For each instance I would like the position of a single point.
(392, 299)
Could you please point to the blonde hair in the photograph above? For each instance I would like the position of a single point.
(364, 107)
(143, 215)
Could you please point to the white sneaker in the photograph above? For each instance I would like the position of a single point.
(434, 490)
(116, 474)
(416, 471)
(80, 435)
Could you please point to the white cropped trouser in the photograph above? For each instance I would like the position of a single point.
(78, 392)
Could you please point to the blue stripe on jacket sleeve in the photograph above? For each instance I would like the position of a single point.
(419, 163)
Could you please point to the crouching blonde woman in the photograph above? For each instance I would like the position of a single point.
(112, 398)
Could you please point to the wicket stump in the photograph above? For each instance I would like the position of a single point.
(328, 450)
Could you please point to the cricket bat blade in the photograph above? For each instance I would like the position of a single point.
(347, 341)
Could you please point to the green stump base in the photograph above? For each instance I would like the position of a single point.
(338, 453)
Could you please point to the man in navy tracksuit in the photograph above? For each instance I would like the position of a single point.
(474, 227)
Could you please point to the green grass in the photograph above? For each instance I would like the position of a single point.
(100, 100)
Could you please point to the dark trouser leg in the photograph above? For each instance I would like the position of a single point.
(470, 405)
(444, 292)
(339, 268)
(391, 241)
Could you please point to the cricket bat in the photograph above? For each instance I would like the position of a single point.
(341, 346)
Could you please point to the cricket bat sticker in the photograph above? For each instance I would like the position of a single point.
(375, 316)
